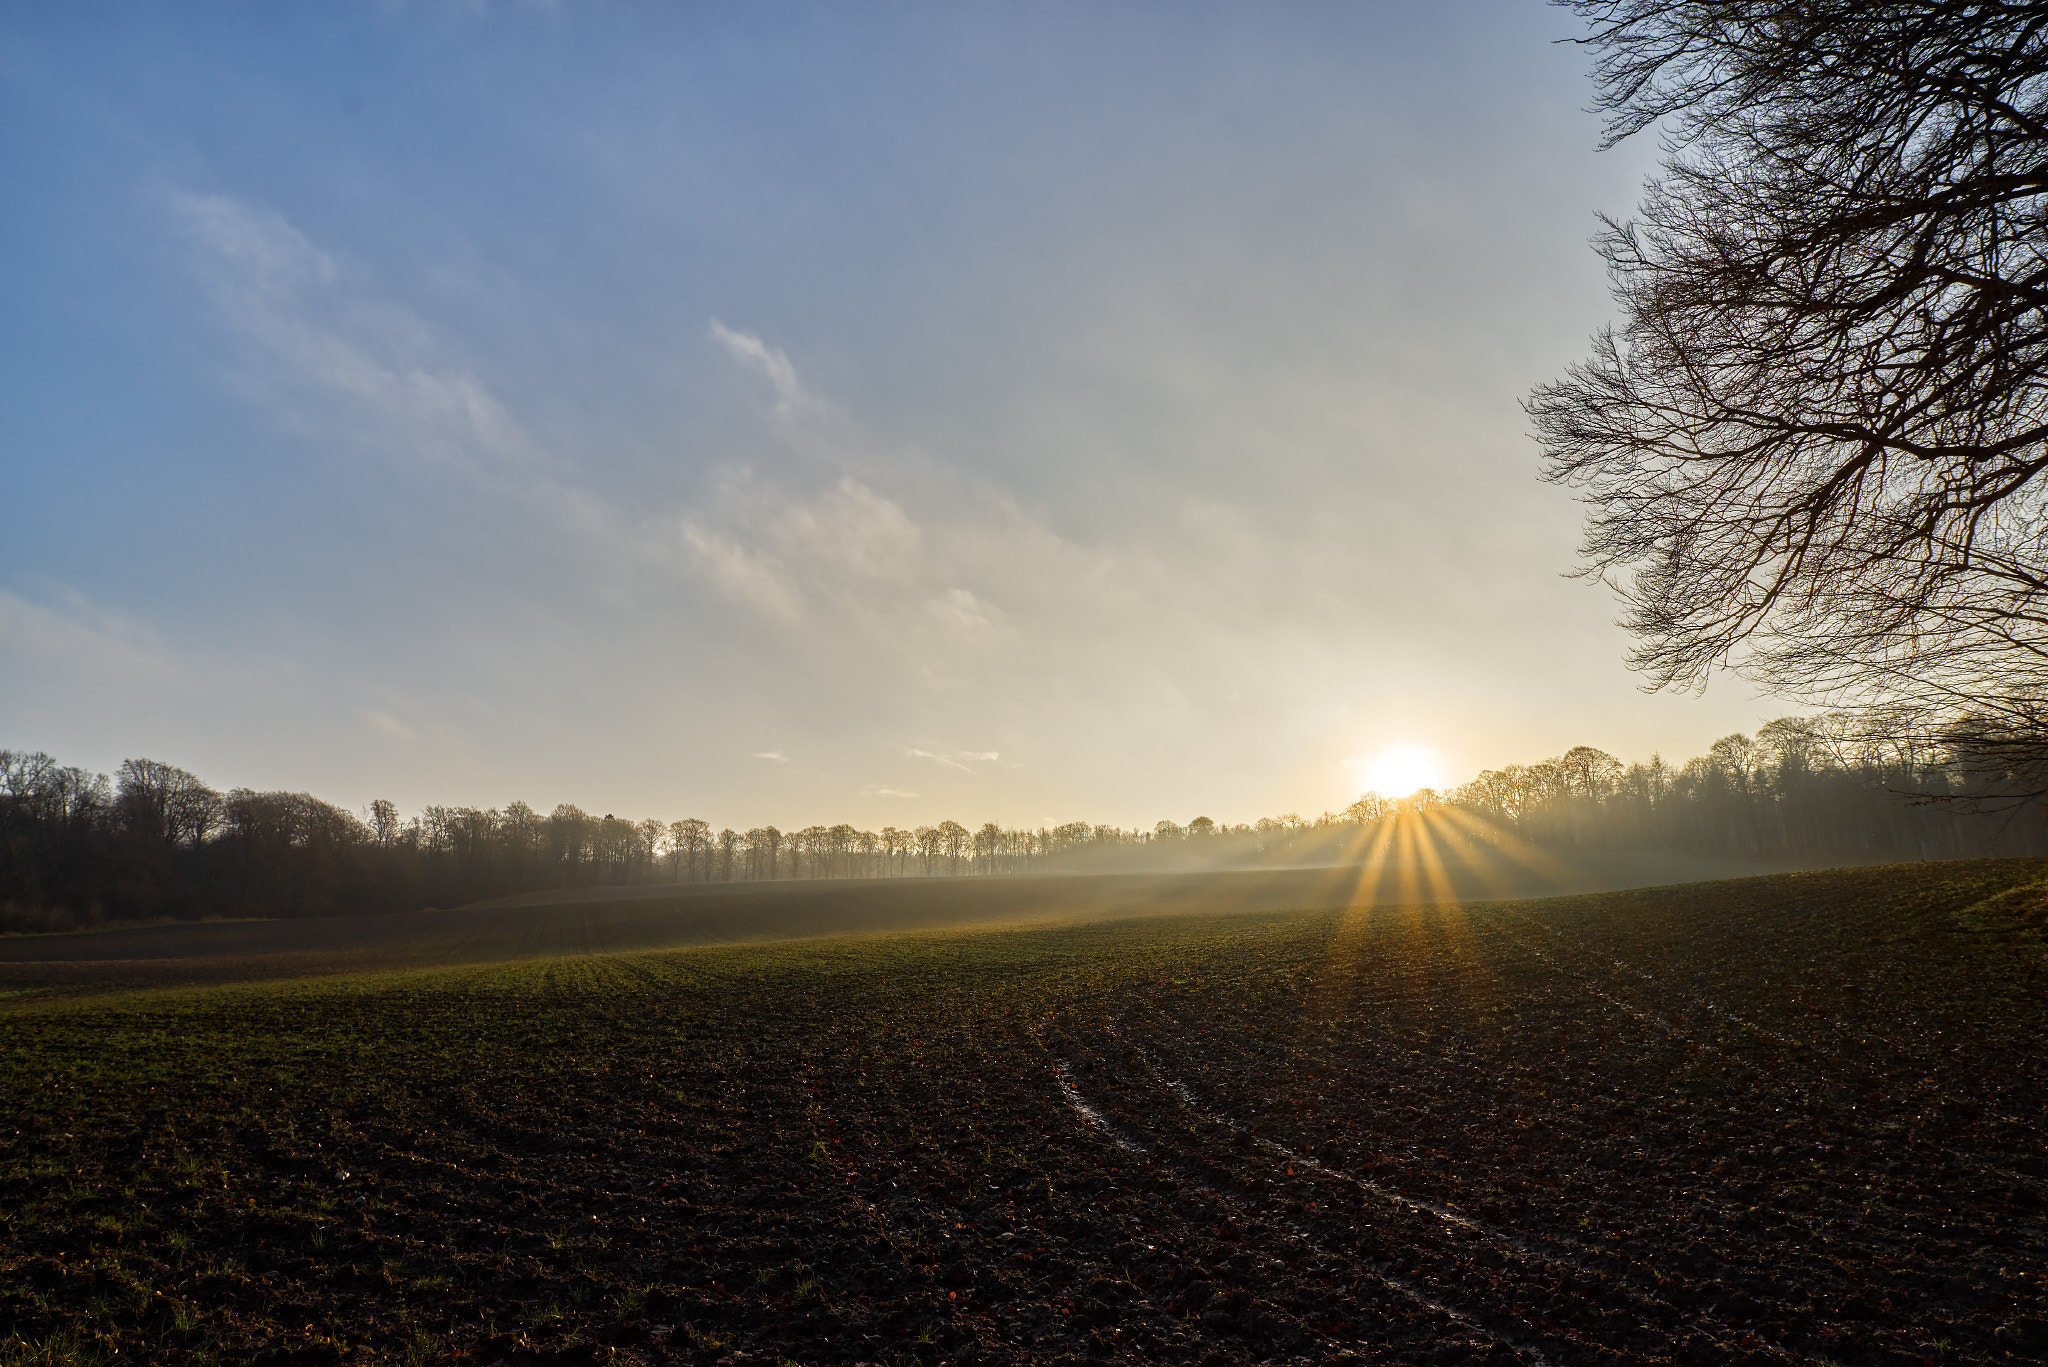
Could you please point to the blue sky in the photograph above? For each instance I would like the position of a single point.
(801, 412)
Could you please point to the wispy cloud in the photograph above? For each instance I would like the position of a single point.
(774, 755)
(963, 760)
(745, 574)
(270, 256)
(771, 361)
(961, 611)
(320, 332)
(875, 790)
(789, 557)
(75, 636)
(385, 723)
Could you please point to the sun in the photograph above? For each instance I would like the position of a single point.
(1402, 769)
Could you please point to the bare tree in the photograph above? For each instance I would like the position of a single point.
(1996, 756)
(954, 841)
(570, 831)
(653, 837)
(36, 786)
(1814, 448)
(843, 841)
(689, 841)
(384, 822)
(165, 802)
(764, 852)
(988, 848)
(1588, 773)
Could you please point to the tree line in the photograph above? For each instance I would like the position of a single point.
(156, 842)
(1849, 785)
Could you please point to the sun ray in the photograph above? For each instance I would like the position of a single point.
(1481, 860)
(1428, 855)
(1376, 867)
(1433, 837)
(1347, 938)
(1510, 846)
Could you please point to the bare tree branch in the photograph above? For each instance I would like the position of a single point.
(1814, 449)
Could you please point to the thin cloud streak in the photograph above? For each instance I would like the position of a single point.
(293, 301)
(956, 759)
(770, 361)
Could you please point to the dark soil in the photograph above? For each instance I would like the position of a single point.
(1777, 1120)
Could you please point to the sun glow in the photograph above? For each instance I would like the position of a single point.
(1402, 770)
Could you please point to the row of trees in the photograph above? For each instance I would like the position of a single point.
(156, 841)
(1851, 785)
(516, 847)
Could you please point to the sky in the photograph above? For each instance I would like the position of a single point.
(782, 412)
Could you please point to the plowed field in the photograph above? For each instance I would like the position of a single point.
(1788, 1119)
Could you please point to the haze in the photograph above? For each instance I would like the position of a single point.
(803, 413)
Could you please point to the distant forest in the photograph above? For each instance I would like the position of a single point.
(155, 842)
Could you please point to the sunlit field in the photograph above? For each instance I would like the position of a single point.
(1408, 860)
(1785, 1119)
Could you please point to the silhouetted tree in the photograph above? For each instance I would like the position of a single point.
(988, 848)
(1814, 448)
(953, 842)
(75, 851)
(161, 802)
(689, 846)
(384, 822)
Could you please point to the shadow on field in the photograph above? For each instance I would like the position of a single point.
(663, 916)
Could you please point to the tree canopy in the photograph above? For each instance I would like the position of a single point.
(1813, 449)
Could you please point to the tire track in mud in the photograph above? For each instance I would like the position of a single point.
(992, 1280)
(1249, 1211)
(1009, 1312)
(1620, 971)
(1752, 1338)
(1622, 967)
(1064, 1075)
(1185, 1095)
(1847, 1072)
(1891, 1223)
(1627, 1278)
(1660, 1312)
(1092, 1118)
